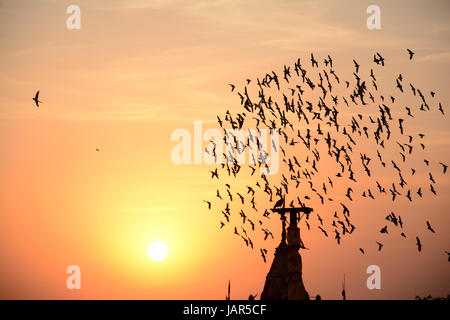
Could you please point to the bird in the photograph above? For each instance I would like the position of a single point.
(313, 61)
(419, 245)
(441, 109)
(356, 65)
(324, 231)
(378, 59)
(252, 296)
(214, 174)
(348, 193)
(410, 54)
(429, 227)
(279, 203)
(432, 189)
(36, 99)
(263, 254)
(431, 177)
(444, 167)
(408, 195)
(320, 219)
(380, 245)
(419, 192)
(208, 203)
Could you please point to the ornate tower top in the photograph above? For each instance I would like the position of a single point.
(284, 280)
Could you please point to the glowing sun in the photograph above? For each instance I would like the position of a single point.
(157, 251)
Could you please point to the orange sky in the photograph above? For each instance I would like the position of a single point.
(136, 71)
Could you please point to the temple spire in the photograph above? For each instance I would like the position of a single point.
(284, 280)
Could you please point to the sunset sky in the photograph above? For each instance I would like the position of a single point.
(138, 70)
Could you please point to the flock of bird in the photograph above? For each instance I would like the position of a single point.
(291, 111)
(347, 126)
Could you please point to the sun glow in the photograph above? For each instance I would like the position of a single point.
(157, 251)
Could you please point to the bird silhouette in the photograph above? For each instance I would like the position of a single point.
(263, 254)
(429, 227)
(36, 99)
(208, 203)
(252, 296)
(380, 245)
(419, 245)
(279, 203)
(214, 174)
(444, 167)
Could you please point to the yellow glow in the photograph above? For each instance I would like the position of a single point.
(157, 251)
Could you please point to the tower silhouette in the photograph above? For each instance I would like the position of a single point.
(284, 280)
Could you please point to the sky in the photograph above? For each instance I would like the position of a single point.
(138, 70)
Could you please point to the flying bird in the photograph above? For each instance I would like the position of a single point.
(208, 203)
(444, 167)
(36, 99)
(263, 254)
(380, 245)
(419, 245)
(429, 227)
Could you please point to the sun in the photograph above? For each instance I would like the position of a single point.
(157, 251)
